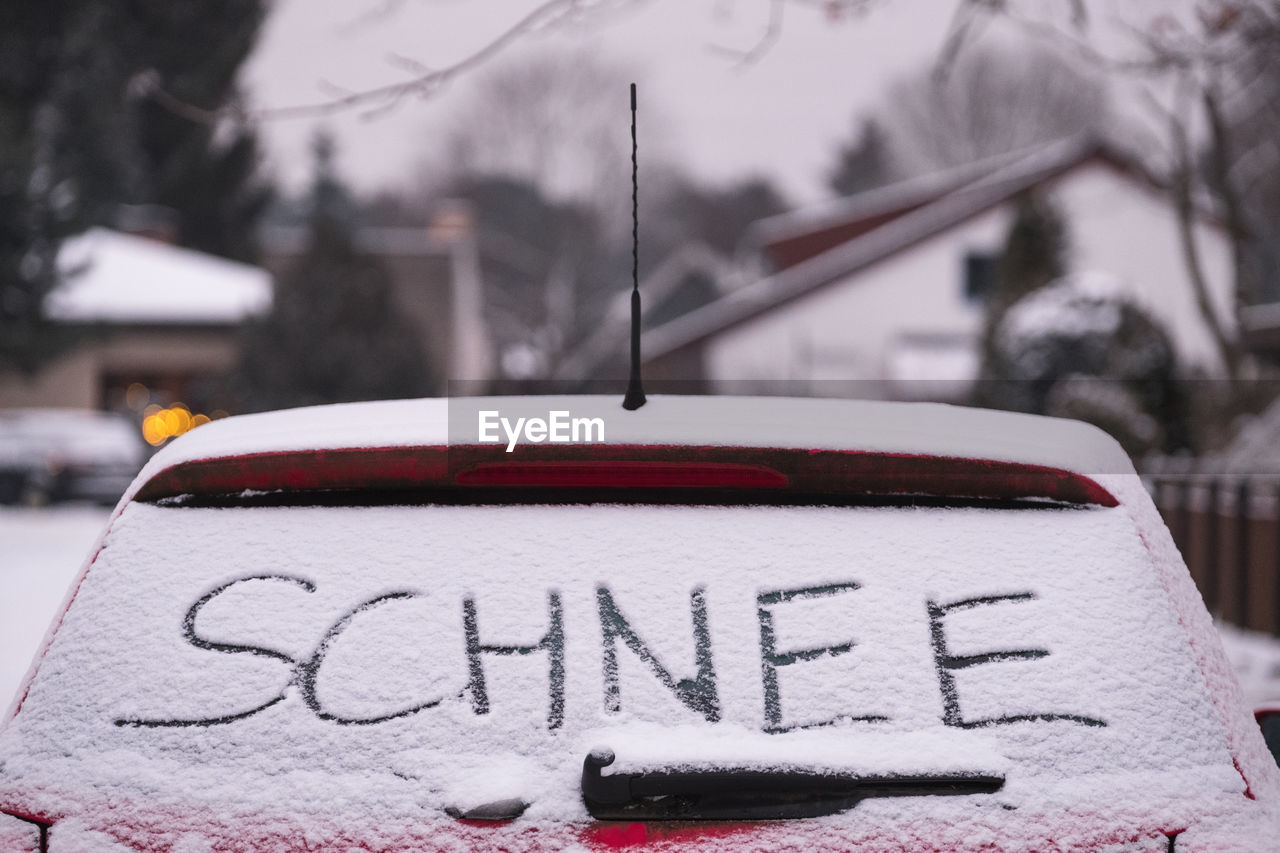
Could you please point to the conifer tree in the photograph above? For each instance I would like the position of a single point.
(334, 333)
(1035, 253)
(864, 163)
(80, 136)
(207, 172)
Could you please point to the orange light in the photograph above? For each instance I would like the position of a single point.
(169, 421)
(183, 418)
(153, 430)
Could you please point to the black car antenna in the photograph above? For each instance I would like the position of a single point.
(634, 398)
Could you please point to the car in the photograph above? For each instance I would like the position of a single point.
(546, 623)
(50, 455)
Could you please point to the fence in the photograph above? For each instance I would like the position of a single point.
(1228, 530)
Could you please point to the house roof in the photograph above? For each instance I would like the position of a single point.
(790, 238)
(610, 336)
(120, 278)
(885, 239)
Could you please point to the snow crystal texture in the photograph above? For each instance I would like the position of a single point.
(274, 678)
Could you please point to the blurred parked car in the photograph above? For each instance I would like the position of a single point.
(50, 455)
(710, 624)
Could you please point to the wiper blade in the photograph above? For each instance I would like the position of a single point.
(738, 793)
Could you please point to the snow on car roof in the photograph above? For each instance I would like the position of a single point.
(924, 429)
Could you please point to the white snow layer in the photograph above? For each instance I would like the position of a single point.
(908, 428)
(114, 277)
(1076, 305)
(1256, 658)
(1111, 713)
(42, 551)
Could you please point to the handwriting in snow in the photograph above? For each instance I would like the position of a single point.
(699, 693)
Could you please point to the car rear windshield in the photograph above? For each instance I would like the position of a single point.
(384, 664)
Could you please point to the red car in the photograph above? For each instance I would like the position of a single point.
(709, 624)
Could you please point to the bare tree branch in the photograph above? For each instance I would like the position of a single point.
(427, 82)
(772, 32)
(384, 9)
(773, 28)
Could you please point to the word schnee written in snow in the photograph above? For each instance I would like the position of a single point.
(700, 694)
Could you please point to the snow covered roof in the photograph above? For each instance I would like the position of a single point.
(887, 239)
(119, 278)
(924, 429)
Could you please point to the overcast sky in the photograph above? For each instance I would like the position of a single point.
(784, 115)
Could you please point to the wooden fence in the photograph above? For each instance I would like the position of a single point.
(1228, 530)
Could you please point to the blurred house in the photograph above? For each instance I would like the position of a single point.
(150, 314)
(437, 279)
(887, 287)
(691, 277)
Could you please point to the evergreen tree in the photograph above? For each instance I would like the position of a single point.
(45, 68)
(863, 163)
(1082, 348)
(717, 216)
(1035, 253)
(79, 137)
(206, 172)
(334, 333)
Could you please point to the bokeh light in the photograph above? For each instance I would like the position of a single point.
(161, 424)
(137, 396)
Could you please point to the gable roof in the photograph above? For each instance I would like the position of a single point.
(885, 239)
(608, 341)
(112, 277)
(793, 237)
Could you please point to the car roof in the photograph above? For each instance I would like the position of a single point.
(927, 429)
(818, 446)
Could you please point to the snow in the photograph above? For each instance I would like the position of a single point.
(18, 836)
(120, 278)
(932, 367)
(918, 428)
(41, 551)
(276, 678)
(1078, 305)
(1255, 450)
(643, 747)
(364, 619)
(1256, 658)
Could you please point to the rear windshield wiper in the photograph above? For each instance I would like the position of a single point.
(738, 793)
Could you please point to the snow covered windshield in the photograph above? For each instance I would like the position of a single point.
(381, 665)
